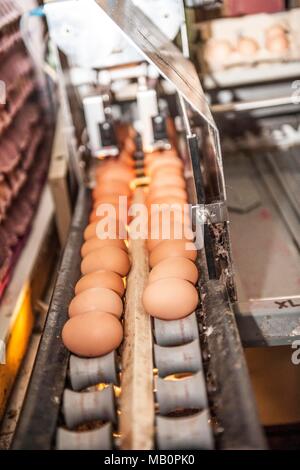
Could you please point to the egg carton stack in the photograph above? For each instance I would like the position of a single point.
(94, 331)
(23, 155)
(256, 44)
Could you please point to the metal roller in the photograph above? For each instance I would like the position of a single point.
(187, 393)
(86, 372)
(175, 332)
(97, 439)
(80, 408)
(177, 359)
(190, 432)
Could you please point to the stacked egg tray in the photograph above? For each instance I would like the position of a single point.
(24, 141)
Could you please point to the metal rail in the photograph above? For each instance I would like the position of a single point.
(38, 420)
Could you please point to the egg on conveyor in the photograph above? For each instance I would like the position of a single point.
(172, 248)
(247, 46)
(115, 211)
(173, 231)
(96, 298)
(168, 200)
(164, 162)
(169, 191)
(181, 268)
(108, 258)
(167, 180)
(170, 299)
(106, 279)
(95, 243)
(92, 335)
(111, 187)
(167, 170)
(118, 171)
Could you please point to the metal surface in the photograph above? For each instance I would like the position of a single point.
(159, 51)
(269, 322)
(38, 420)
(213, 213)
(233, 400)
(253, 105)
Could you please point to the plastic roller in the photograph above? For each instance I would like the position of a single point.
(86, 372)
(190, 432)
(187, 393)
(79, 408)
(97, 439)
(175, 332)
(177, 359)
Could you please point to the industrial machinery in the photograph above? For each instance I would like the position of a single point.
(179, 384)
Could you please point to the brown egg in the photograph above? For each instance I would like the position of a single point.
(167, 170)
(275, 30)
(164, 181)
(106, 188)
(96, 298)
(172, 248)
(169, 200)
(107, 228)
(92, 335)
(159, 154)
(127, 159)
(277, 44)
(170, 299)
(218, 51)
(100, 211)
(169, 191)
(106, 279)
(129, 145)
(93, 244)
(115, 171)
(180, 268)
(165, 162)
(247, 46)
(173, 212)
(115, 199)
(175, 232)
(107, 258)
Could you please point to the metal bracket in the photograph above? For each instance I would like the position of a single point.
(213, 213)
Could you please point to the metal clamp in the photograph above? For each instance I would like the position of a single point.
(213, 213)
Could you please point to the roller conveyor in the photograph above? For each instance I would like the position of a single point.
(188, 386)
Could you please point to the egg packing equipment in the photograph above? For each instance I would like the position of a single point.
(209, 337)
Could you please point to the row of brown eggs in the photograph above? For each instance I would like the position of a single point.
(94, 327)
(170, 293)
(219, 50)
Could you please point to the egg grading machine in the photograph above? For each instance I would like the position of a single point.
(73, 402)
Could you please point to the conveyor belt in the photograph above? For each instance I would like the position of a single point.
(202, 390)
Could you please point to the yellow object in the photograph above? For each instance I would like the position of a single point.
(16, 345)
